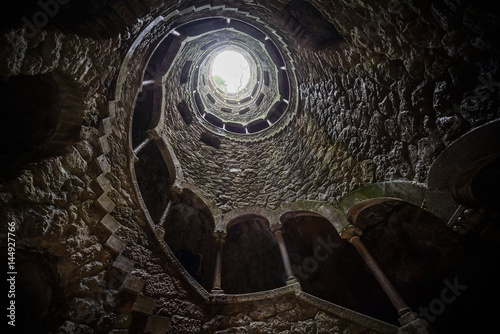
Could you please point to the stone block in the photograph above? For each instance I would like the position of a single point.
(133, 284)
(119, 331)
(418, 326)
(144, 304)
(105, 126)
(74, 162)
(103, 163)
(104, 144)
(110, 223)
(186, 11)
(106, 203)
(161, 285)
(263, 309)
(307, 326)
(112, 106)
(115, 244)
(104, 182)
(156, 325)
(123, 263)
(326, 323)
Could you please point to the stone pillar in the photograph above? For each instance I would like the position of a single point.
(220, 237)
(160, 228)
(278, 233)
(139, 147)
(165, 214)
(351, 233)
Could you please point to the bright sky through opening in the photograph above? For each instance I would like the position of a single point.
(230, 71)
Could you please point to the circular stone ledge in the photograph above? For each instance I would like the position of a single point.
(264, 106)
(267, 100)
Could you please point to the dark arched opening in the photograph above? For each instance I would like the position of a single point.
(325, 265)
(251, 259)
(189, 235)
(153, 179)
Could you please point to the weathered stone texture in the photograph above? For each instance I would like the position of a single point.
(408, 80)
(403, 53)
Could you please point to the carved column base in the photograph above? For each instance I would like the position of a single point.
(411, 324)
(217, 292)
(291, 280)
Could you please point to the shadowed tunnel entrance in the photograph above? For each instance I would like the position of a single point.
(251, 260)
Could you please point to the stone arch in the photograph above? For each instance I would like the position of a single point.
(408, 191)
(241, 220)
(129, 71)
(315, 250)
(201, 200)
(173, 164)
(188, 234)
(308, 208)
(251, 261)
(355, 210)
(152, 180)
(233, 216)
(462, 185)
(357, 201)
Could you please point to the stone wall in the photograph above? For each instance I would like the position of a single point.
(78, 210)
(282, 169)
(371, 109)
(412, 79)
(380, 106)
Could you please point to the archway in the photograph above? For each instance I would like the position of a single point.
(251, 259)
(189, 235)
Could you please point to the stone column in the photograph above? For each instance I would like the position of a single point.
(351, 233)
(278, 233)
(165, 213)
(139, 147)
(220, 237)
(160, 228)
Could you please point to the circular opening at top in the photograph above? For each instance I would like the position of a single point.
(230, 72)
